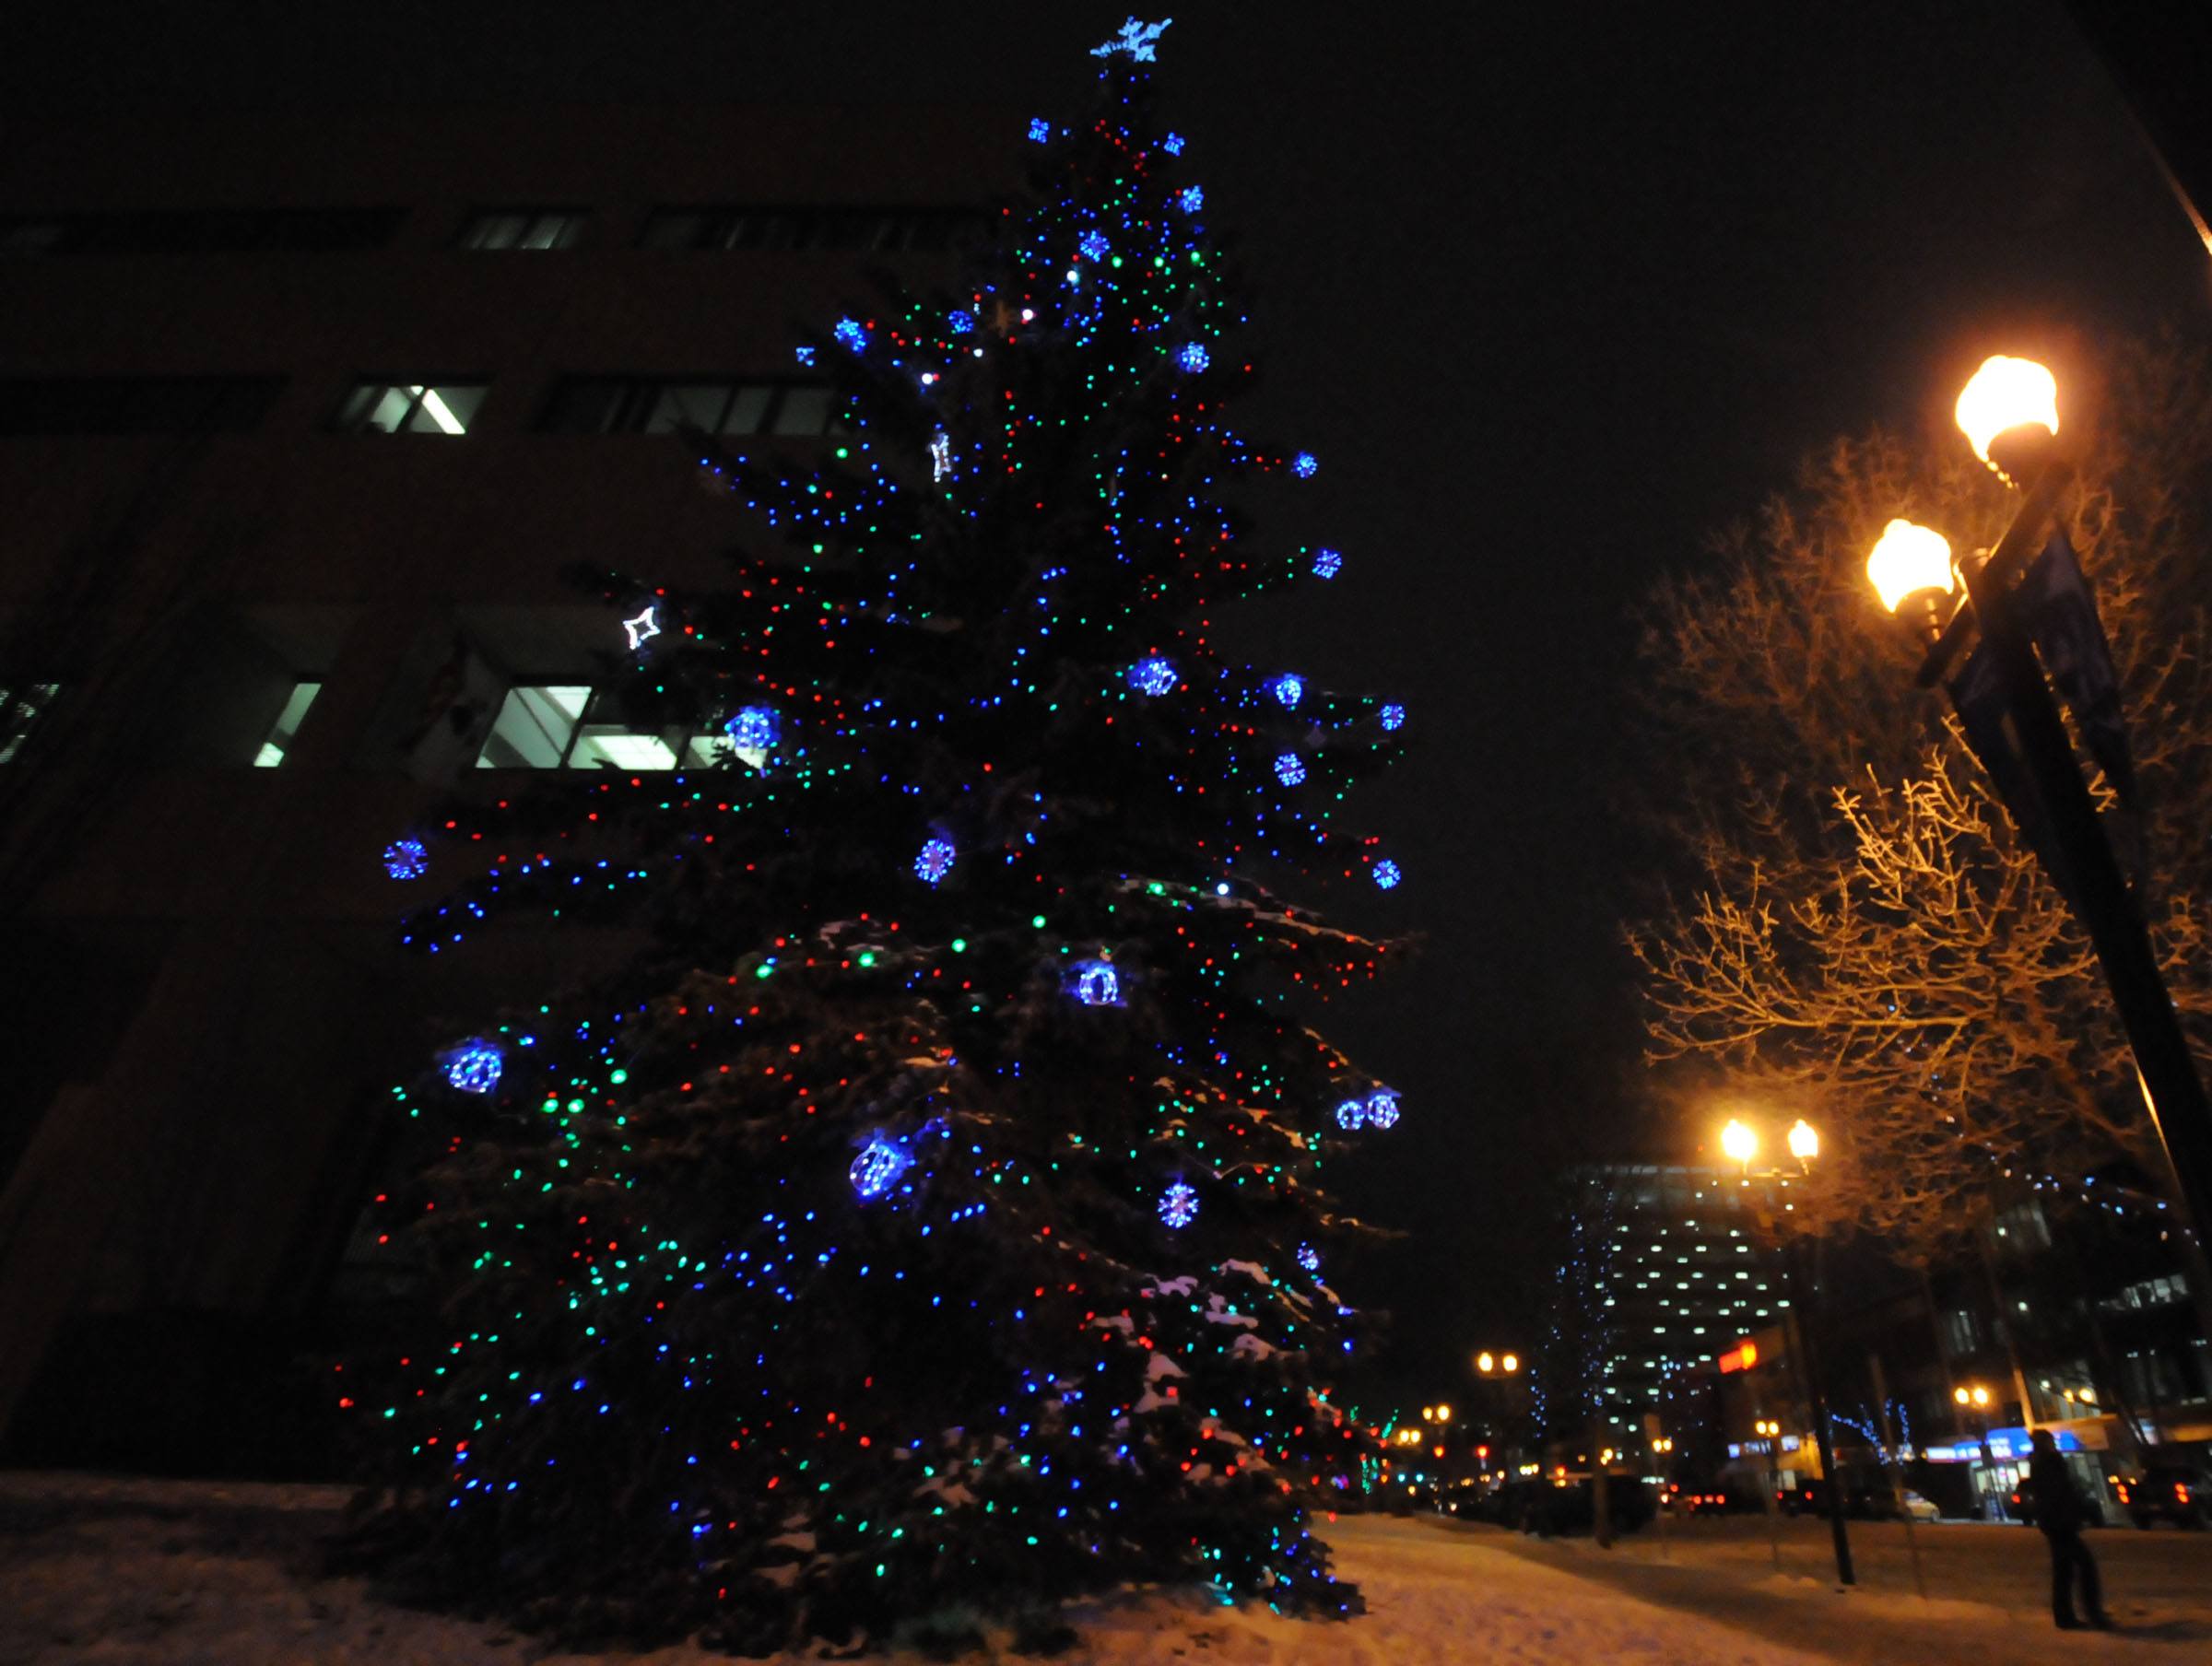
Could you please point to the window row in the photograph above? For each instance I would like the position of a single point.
(575, 405)
(518, 226)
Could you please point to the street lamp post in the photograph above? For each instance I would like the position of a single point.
(2009, 412)
(1741, 1143)
(1972, 1399)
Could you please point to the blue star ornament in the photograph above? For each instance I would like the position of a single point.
(1136, 39)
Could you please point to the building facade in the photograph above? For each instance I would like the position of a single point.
(302, 419)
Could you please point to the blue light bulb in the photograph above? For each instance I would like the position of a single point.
(1290, 769)
(406, 859)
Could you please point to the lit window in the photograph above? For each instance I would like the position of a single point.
(400, 407)
(20, 709)
(569, 725)
(658, 405)
(523, 228)
(287, 726)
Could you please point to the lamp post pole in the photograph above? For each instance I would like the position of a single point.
(2009, 410)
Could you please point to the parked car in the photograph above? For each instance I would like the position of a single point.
(2164, 1492)
(1919, 1508)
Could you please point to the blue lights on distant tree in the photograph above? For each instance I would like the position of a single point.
(406, 859)
(1290, 769)
(1094, 244)
(877, 1170)
(1179, 1205)
(1288, 689)
(936, 859)
(1325, 563)
(1387, 875)
(474, 1066)
(1192, 358)
(1351, 1113)
(1154, 675)
(851, 334)
(1382, 1109)
(1191, 198)
(1096, 983)
(754, 728)
(1172, 144)
(962, 322)
(1309, 1258)
(1039, 130)
(1392, 715)
(1303, 464)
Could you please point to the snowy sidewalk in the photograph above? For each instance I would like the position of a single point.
(97, 1571)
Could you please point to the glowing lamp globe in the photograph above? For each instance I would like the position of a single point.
(1805, 1142)
(1739, 1142)
(2003, 397)
(1909, 560)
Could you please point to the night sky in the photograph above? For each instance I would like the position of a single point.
(1551, 296)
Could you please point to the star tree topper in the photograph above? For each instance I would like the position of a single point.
(1136, 39)
(642, 626)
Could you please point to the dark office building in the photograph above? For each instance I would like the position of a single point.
(302, 417)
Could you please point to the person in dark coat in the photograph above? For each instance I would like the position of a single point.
(2061, 1514)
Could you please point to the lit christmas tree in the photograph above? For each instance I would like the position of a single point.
(931, 1214)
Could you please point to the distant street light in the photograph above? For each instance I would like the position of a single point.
(1741, 1143)
(2008, 412)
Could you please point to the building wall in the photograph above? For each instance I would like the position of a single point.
(208, 948)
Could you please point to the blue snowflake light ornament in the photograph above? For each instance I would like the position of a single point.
(1305, 464)
(1178, 1205)
(1290, 769)
(1382, 1109)
(1154, 675)
(754, 728)
(1094, 244)
(406, 859)
(1191, 198)
(850, 333)
(1387, 875)
(1326, 562)
(1309, 1258)
(1135, 38)
(1172, 144)
(1039, 130)
(934, 859)
(1192, 358)
(1351, 1113)
(1392, 715)
(1289, 689)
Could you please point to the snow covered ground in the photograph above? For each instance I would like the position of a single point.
(100, 1570)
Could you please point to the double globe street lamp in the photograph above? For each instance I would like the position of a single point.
(2009, 414)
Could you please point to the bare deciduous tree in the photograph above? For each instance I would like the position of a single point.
(1849, 928)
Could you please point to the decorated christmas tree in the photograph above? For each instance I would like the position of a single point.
(931, 1212)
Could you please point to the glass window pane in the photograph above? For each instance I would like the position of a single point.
(287, 726)
(749, 410)
(496, 231)
(533, 729)
(671, 228)
(803, 411)
(389, 414)
(609, 746)
(448, 408)
(544, 232)
(581, 404)
(697, 405)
